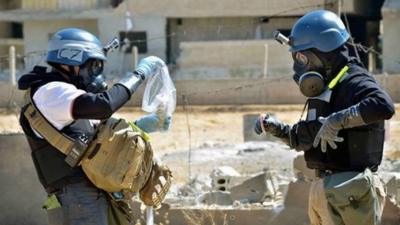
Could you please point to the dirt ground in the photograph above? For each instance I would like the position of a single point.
(215, 124)
(211, 124)
(219, 128)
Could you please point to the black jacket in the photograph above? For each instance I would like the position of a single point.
(52, 170)
(363, 146)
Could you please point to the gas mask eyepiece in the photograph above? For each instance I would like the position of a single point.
(92, 78)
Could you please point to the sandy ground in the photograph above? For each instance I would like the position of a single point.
(218, 130)
(208, 124)
(220, 124)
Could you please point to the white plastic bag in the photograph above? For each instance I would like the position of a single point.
(160, 94)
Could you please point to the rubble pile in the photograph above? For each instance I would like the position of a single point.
(227, 188)
(268, 197)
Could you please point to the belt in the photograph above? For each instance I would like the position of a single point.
(324, 173)
(57, 186)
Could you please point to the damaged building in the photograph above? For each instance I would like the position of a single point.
(210, 44)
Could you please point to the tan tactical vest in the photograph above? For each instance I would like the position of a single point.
(118, 158)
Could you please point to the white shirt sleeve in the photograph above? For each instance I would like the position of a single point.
(54, 100)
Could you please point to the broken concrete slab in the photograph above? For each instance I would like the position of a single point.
(256, 189)
(215, 198)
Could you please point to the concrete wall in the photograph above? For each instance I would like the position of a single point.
(390, 36)
(109, 26)
(5, 32)
(222, 8)
(22, 196)
(273, 90)
(276, 23)
(232, 60)
(15, 4)
(227, 8)
(193, 8)
(222, 29)
(59, 4)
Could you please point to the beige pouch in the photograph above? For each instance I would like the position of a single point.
(353, 198)
(119, 158)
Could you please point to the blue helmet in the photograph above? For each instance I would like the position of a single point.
(73, 47)
(322, 30)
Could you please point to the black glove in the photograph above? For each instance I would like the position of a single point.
(269, 124)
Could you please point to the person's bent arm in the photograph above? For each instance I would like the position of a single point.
(103, 105)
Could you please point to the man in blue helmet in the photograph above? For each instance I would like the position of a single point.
(73, 97)
(343, 134)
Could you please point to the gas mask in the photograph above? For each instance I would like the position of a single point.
(310, 73)
(90, 77)
(312, 69)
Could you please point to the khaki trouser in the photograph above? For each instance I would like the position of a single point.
(317, 205)
(348, 198)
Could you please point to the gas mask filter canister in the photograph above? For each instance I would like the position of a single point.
(311, 84)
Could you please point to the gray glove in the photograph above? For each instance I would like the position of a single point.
(147, 67)
(331, 125)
